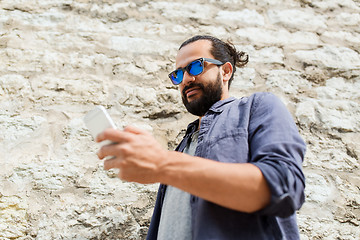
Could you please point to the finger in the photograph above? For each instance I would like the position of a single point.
(109, 150)
(135, 130)
(113, 135)
(112, 163)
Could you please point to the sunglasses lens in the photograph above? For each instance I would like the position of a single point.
(177, 77)
(195, 68)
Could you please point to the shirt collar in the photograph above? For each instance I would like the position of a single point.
(192, 127)
(218, 107)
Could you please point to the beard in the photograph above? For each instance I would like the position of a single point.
(212, 93)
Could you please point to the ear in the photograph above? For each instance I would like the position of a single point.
(227, 70)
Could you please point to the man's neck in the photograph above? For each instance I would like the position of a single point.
(199, 123)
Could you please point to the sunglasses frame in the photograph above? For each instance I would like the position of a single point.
(202, 60)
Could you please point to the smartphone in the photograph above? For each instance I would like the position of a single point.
(97, 120)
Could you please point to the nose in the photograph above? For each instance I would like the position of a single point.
(187, 78)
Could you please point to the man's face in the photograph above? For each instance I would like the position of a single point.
(211, 93)
(200, 92)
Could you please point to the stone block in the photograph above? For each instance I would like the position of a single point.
(280, 37)
(329, 57)
(289, 82)
(304, 20)
(245, 17)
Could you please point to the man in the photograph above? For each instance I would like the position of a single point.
(237, 173)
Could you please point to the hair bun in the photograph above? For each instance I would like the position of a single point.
(241, 59)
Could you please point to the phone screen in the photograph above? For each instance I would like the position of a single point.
(97, 120)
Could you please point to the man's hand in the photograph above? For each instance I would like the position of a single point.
(136, 153)
(141, 159)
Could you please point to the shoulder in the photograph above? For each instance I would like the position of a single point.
(264, 97)
(259, 98)
(269, 109)
(262, 105)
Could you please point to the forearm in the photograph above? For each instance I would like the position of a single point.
(237, 186)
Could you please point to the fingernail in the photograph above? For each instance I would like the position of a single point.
(97, 139)
(98, 154)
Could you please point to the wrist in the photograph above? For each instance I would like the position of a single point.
(166, 168)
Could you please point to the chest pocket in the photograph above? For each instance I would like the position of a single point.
(228, 146)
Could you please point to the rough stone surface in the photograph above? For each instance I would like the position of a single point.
(59, 58)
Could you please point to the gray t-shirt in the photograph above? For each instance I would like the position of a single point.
(175, 220)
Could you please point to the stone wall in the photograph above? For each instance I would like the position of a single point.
(59, 58)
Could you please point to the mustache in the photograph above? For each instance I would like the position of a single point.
(192, 85)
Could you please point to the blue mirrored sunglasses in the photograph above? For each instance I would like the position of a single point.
(194, 68)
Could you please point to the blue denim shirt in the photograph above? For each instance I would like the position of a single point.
(258, 130)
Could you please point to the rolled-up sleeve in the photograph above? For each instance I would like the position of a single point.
(278, 150)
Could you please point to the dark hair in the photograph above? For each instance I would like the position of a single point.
(222, 51)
